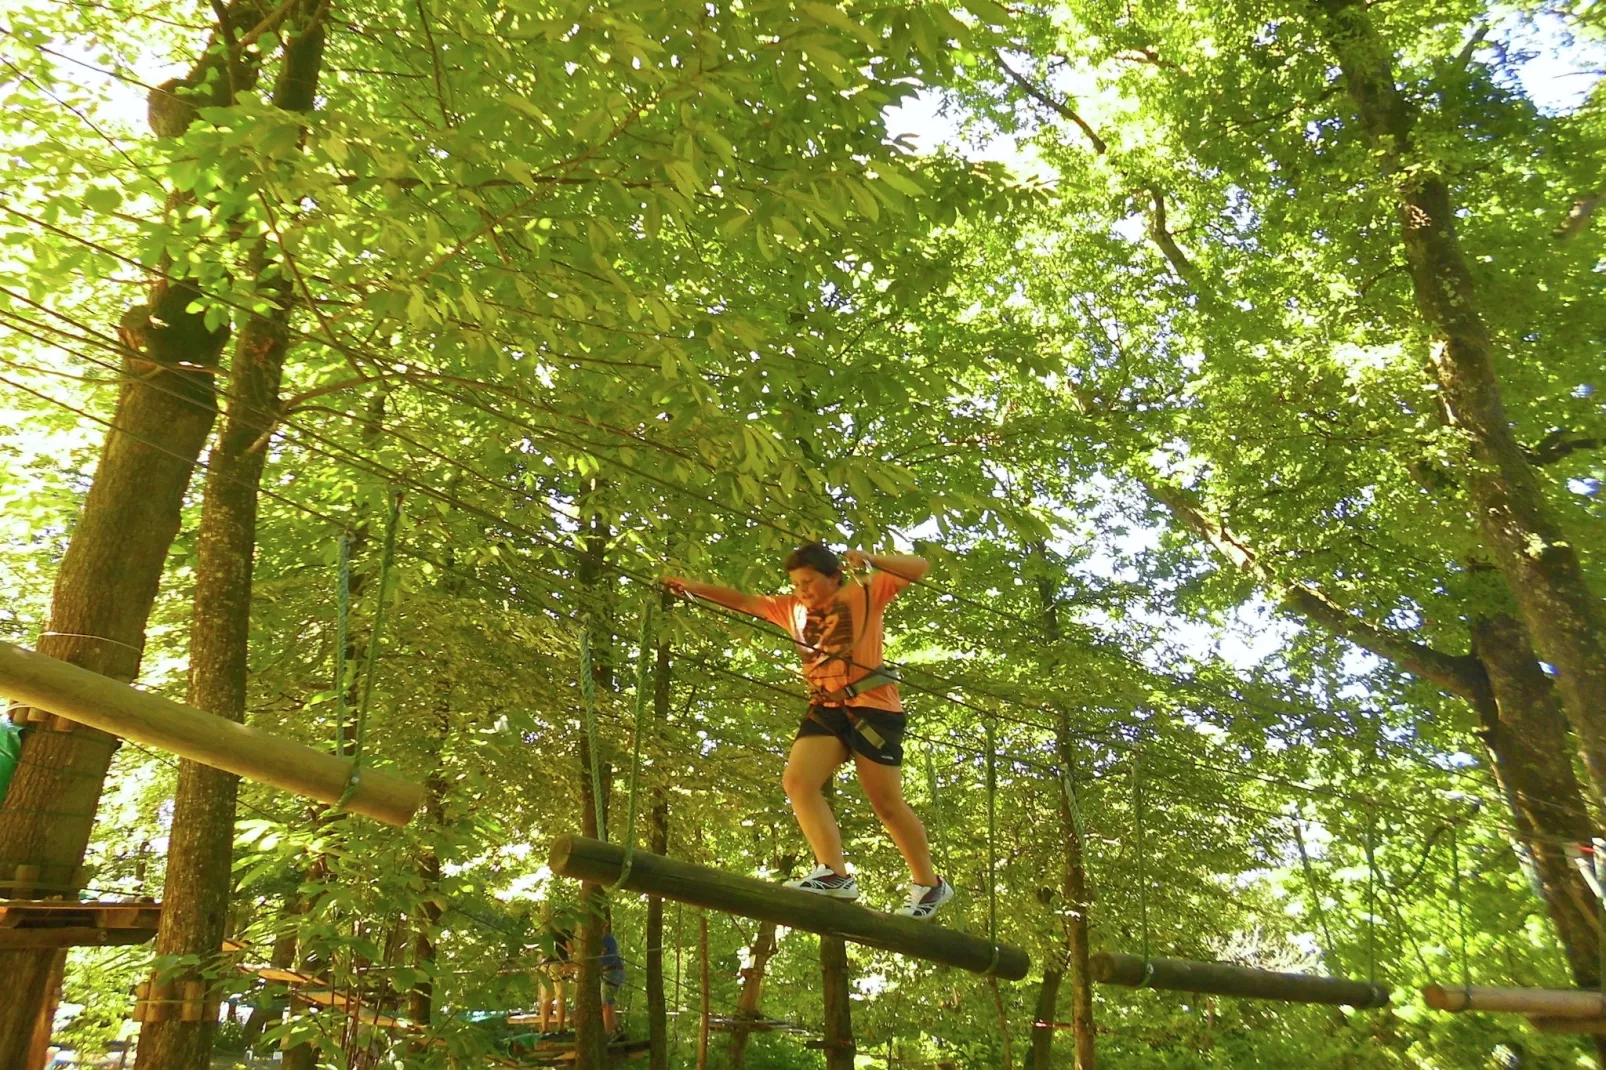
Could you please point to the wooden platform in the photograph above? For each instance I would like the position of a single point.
(31, 924)
(562, 1054)
(722, 1024)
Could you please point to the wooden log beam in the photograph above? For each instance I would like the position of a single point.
(586, 859)
(1579, 1026)
(89, 698)
(1222, 979)
(1540, 1002)
(71, 936)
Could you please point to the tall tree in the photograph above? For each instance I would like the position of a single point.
(200, 855)
(1538, 558)
(109, 576)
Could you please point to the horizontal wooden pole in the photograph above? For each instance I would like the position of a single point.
(1542, 1002)
(592, 860)
(101, 702)
(71, 936)
(1583, 1026)
(1223, 979)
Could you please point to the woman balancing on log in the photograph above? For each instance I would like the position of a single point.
(854, 708)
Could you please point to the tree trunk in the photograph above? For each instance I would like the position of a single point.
(1565, 618)
(1526, 734)
(105, 587)
(658, 843)
(1521, 724)
(838, 1011)
(1043, 1022)
(751, 997)
(421, 998)
(196, 896)
(1077, 903)
(108, 578)
(588, 1038)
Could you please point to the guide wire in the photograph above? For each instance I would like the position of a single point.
(1115, 742)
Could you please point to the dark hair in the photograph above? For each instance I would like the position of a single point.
(815, 555)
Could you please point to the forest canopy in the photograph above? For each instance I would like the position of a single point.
(365, 369)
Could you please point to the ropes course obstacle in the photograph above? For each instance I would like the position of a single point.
(1569, 1003)
(583, 858)
(1223, 979)
(101, 702)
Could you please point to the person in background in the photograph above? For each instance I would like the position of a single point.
(553, 975)
(613, 979)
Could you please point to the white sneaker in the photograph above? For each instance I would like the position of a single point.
(826, 881)
(924, 899)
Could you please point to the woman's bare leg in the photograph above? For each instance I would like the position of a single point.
(813, 760)
(883, 786)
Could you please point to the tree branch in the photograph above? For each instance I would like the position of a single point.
(1578, 218)
(1058, 107)
(1558, 443)
(1459, 675)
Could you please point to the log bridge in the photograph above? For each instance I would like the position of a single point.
(1540, 1003)
(1223, 979)
(77, 694)
(583, 858)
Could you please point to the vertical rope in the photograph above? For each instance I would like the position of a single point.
(588, 703)
(1598, 865)
(1371, 897)
(992, 837)
(1143, 866)
(643, 681)
(1460, 910)
(1315, 895)
(936, 802)
(992, 845)
(342, 637)
(372, 661)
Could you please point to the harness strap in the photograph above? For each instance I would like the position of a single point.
(878, 677)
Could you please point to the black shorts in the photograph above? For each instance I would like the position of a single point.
(876, 734)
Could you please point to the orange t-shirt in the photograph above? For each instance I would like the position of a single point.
(843, 643)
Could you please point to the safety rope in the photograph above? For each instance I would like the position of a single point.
(1371, 897)
(936, 803)
(1460, 910)
(391, 524)
(643, 680)
(342, 634)
(1315, 895)
(1598, 865)
(992, 847)
(1143, 869)
(1069, 784)
(588, 703)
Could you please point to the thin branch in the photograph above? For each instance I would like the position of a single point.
(1578, 218)
(1058, 107)
(1460, 676)
(1558, 444)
